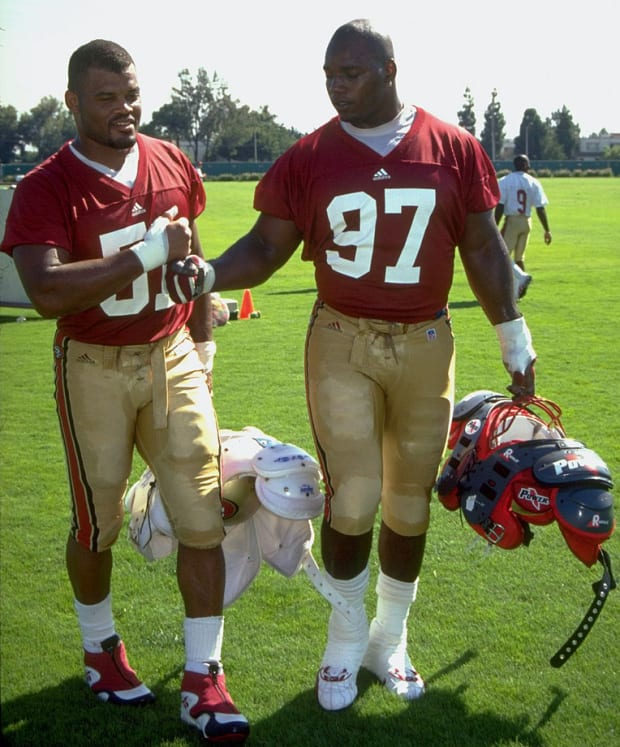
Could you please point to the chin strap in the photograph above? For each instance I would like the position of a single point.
(601, 589)
(325, 589)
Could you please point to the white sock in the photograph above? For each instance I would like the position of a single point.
(203, 642)
(96, 623)
(347, 637)
(394, 599)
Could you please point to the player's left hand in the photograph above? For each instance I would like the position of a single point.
(206, 353)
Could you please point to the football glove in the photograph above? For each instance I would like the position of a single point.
(189, 278)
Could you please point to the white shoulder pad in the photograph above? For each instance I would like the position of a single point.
(242, 558)
(281, 459)
(137, 495)
(149, 528)
(284, 543)
(238, 451)
(296, 495)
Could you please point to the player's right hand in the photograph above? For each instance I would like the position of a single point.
(189, 278)
(523, 384)
(166, 240)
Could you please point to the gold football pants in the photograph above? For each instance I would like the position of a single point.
(380, 399)
(154, 397)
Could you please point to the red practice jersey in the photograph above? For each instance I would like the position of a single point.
(382, 230)
(67, 204)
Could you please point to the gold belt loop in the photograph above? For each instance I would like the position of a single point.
(160, 385)
(360, 342)
(110, 357)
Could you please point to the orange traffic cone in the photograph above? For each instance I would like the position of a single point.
(247, 305)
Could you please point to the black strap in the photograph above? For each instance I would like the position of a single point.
(601, 589)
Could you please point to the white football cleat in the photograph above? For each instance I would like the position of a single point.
(347, 639)
(336, 688)
(389, 661)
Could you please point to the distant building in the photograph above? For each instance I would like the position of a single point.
(508, 149)
(595, 145)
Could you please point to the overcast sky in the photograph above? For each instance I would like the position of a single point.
(271, 53)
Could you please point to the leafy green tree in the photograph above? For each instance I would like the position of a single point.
(466, 115)
(551, 149)
(202, 113)
(267, 139)
(274, 138)
(238, 140)
(612, 152)
(223, 116)
(250, 135)
(566, 132)
(9, 134)
(46, 127)
(493, 132)
(170, 122)
(532, 134)
(205, 103)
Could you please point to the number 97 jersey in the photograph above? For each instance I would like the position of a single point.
(382, 230)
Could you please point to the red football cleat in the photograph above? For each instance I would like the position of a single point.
(207, 705)
(110, 677)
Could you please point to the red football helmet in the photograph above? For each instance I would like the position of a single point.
(512, 466)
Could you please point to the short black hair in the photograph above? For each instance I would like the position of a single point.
(521, 163)
(379, 44)
(99, 53)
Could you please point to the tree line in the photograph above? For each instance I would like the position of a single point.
(210, 125)
(553, 139)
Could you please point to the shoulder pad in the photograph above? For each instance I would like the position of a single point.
(281, 459)
(473, 401)
(485, 482)
(586, 519)
(572, 463)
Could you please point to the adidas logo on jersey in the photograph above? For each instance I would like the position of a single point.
(380, 175)
(137, 209)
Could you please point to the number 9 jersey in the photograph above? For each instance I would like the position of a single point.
(382, 230)
(67, 204)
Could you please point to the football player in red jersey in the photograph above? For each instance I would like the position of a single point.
(92, 231)
(380, 197)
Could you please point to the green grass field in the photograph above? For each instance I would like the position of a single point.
(485, 624)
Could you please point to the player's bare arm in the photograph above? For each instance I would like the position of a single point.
(487, 265)
(57, 286)
(262, 251)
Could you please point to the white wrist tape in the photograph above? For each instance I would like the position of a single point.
(206, 353)
(515, 342)
(209, 278)
(152, 251)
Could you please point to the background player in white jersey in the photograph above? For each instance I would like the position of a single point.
(519, 193)
(380, 196)
(91, 231)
